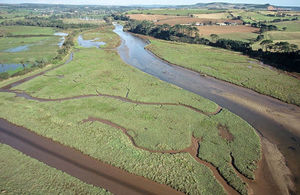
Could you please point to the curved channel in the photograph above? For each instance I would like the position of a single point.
(276, 121)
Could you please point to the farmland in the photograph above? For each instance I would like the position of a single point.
(207, 30)
(175, 12)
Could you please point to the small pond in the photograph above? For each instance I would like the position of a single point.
(62, 35)
(10, 67)
(17, 49)
(89, 43)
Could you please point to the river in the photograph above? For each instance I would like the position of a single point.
(277, 123)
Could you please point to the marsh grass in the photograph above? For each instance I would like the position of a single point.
(21, 174)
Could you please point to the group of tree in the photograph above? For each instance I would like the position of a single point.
(268, 45)
(264, 27)
(165, 31)
(120, 17)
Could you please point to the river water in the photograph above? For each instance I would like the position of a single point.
(278, 123)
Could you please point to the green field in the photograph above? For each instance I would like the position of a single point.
(156, 127)
(246, 37)
(21, 174)
(290, 35)
(27, 30)
(179, 12)
(253, 16)
(230, 66)
(39, 48)
(104, 34)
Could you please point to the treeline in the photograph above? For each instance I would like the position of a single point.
(120, 17)
(45, 22)
(286, 59)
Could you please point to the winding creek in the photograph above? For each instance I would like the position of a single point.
(276, 122)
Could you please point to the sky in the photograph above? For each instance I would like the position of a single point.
(153, 2)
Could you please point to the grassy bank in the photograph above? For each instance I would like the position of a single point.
(155, 127)
(230, 66)
(21, 174)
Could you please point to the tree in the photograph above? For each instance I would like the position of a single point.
(265, 43)
(260, 37)
(214, 37)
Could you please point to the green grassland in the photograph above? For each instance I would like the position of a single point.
(156, 127)
(104, 34)
(179, 12)
(27, 30)
(230, 66)
(290, 35)
(292, 26)
(21, 174)
(246, 37)
(40, 47)
(253, 16)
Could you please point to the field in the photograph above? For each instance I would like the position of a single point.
(291, 26)
(175, 12)
(110, 96)
(151, 17)
(38, 48)
(230, 66)
(189, 20)
(83, 21)
(246, 37)
(252, 16)
(34, 177)
(26, 30)
(39, 44)
(207, 30)
(290, 35)
(213, 16)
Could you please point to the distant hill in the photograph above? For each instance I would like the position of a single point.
(221, 5)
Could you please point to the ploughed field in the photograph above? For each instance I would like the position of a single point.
(136, 122)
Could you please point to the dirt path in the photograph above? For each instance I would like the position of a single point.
(77, 164)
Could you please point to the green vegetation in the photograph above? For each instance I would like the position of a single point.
(289, 32)
(38, 48)
(156, 127)
(178, 12)
(255, 16)
(291, 26)
(26, 30)
(212, 147)
(230, 66)
(104, 34)
(246, 37)
(21, 174)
